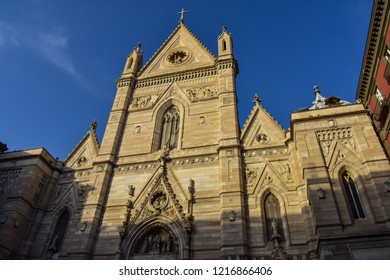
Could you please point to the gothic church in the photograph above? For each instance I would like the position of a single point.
(176, 178)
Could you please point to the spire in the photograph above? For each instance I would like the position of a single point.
(134, 61)
(319, 101)
(182, 12)
(225, 44)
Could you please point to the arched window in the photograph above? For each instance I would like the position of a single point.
(170, 129)
(59, 232)
(352, 196)
(273, 218)
(130, 63)
(223, 45)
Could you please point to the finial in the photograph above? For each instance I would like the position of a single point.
(224, 28)
(93, 125)
(316, 90)
(138, 48)
(182, 12)
(257, 99)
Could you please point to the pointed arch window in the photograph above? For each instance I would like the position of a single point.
(273, 217)
(130, 63)
(223, 45)
(352, 195)
(170, 128)
(59, 232)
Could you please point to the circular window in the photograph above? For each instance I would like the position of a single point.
(177, 57)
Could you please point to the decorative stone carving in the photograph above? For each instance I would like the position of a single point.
(168, 79)
(82, 160)
(327, 136)
(137, 129)
(251, 174)
(143, 102)
(262, 138)
(283, 168)
(178, 57)
(206, 92)
(202, 120)
(99, 168)
(227, 100)
(264, 152)
(229, 153)
(159, 200)
(83, 226)
(155, 242)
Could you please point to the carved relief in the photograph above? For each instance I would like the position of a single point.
(251, 174)
(284, 169)
(159, 200)
(206, 92)
(327, 136)
(227, 100)
(155, 242)
(264, 152)
(137, 129)
(81, 161)
(177, 57)
(263, 138)
(143, 102)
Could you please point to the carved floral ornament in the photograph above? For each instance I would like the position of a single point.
(178, 56)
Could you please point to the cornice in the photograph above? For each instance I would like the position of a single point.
(372, 51)
(170, 78)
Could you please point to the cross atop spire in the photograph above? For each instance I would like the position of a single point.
(182, 12)
(257, 100)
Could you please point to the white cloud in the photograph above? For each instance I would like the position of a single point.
(54, 47)
(52, 44)
(8, 35)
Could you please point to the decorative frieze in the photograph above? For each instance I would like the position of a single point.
(143, 102)
(266, 152)
(201, 93)
(176, 77)
(152, 165)
(327, 136)
(124, 82)
(11, 172)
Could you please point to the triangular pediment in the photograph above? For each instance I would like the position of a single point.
(161, 196)
(182, 51)
(341, 153)
(267, 175)
(261, 130)
(84, 153)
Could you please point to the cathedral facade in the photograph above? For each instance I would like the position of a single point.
(176, 178)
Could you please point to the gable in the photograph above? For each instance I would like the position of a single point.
(85, 152)
(261, 130)
(182, 51)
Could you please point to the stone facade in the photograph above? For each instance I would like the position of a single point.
(176, 178)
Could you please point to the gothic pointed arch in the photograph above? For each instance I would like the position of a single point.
(273, 216)
(157, 238)
(352, 197)
(58, 235)
(158, 226)
(170, 129)
(168, 126)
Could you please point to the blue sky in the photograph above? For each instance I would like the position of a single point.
(59, 59)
